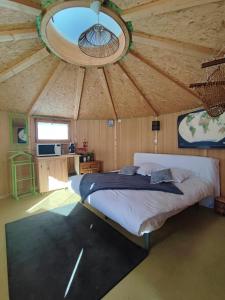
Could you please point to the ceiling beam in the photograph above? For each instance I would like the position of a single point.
(106, 88)
(24, 64)
(140, 8)
(18, 34)
(150, 64)
(24, 6)
(79, 91)
(48, 85)
(158, 7)
(215, 62)
(137, 88)
(173, 45)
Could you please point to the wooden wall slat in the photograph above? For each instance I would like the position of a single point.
(121, 141)
(100, 139)
(4, 147)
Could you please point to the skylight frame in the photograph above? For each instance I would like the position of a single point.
(67, 51)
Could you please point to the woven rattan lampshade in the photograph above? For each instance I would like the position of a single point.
(212, 91)
(98, 41)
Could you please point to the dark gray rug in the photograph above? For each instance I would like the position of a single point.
(68, 253)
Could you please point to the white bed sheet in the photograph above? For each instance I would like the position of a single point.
(141, 212)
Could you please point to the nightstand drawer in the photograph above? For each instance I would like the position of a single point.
(89, 171)
(90, 167)
(85, 165)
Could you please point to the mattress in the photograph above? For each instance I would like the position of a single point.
(142, 212)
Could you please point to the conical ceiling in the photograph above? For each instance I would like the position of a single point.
(171, 40)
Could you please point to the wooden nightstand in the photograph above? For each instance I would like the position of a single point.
(220, 205)
(90, 167)
(87, 167)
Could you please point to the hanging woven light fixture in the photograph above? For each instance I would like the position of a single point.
(212, 91)
(98, 41)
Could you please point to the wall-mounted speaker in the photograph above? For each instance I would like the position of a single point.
(155, 125)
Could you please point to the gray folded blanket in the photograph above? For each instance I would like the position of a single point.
(91, 183)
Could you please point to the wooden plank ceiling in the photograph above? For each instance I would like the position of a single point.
(171, 40)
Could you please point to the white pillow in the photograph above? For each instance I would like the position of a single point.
(146, 168)
(179, 175)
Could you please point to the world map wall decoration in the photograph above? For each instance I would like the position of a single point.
(199, 130)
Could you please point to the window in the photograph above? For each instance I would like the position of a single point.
(52, 130)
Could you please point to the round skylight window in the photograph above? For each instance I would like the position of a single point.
(65, 26)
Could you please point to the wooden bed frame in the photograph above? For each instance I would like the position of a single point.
(146, 237)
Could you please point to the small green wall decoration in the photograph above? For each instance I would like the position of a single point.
(18, 126)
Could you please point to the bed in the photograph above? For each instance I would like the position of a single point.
(141, 212)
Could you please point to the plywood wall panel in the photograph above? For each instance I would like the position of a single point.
(220, 154)
(4, 146)
(11, 19)
(126, 144)
(14, 52)
(202, 25)
(146, 135)
(59, 99)
(124, 4)
(100, 140)
(133, 135)
(5, 181)
(166, 96)
(94, 103)
(185, 68)
(19, 92)
(127, 99)
(116, 145)
(107, 147)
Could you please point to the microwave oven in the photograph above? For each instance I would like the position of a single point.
(48, 149)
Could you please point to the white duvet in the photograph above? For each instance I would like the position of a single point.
(141, 212)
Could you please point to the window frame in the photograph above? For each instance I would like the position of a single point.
(56, 121)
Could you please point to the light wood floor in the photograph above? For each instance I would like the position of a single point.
(186, 262)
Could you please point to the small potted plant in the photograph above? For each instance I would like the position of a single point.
(92, 156)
